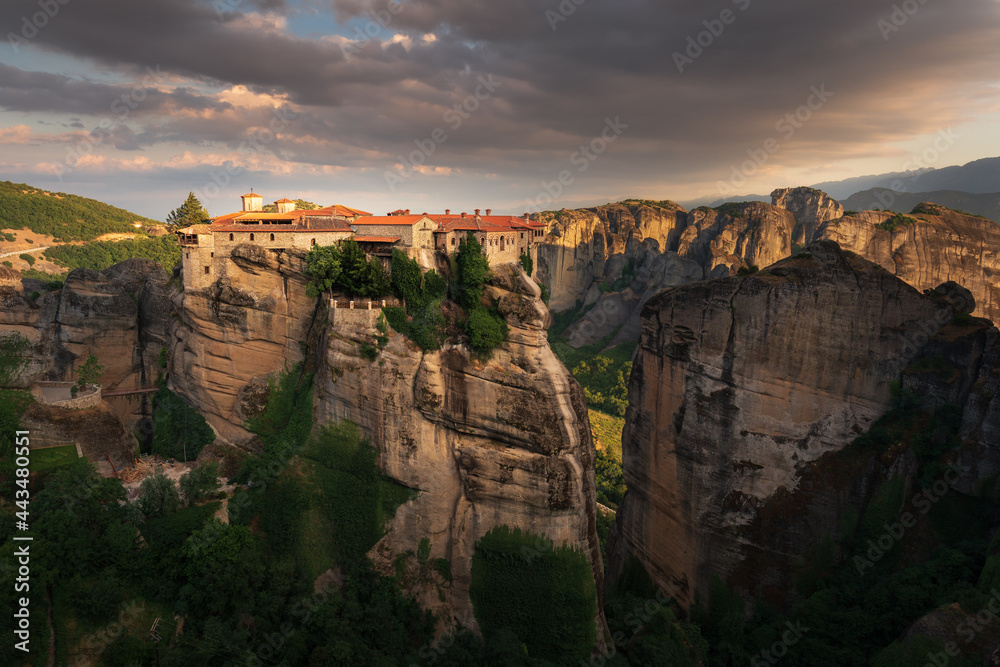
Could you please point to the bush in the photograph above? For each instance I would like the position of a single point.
(486, 330)
(179, 432)
(544, 594)
(898, 221)
(527, 263)
(30, 259)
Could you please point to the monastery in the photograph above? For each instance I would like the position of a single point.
(207, 248)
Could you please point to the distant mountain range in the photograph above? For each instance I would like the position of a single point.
(972, 187)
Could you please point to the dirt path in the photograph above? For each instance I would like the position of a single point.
(27, 250)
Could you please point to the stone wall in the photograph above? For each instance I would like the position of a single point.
(60, 395)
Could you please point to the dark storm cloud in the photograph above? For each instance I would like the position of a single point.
(564, 68)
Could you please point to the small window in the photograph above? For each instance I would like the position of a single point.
(453, 240)
(231, 237)
(522, 235)
(207, 270)
(251, 236)
(213, 254)
(272, 237)
(313, 242)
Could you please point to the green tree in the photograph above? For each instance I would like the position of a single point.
(30, 259)
(473, 270)
(200, 482)
(191, 212)
(90, 372)
(323, 266)
(158, 496)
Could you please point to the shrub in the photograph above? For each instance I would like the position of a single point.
(898, 221)
(544, 594)
(486, 330)
(527, 263)
(30, 259)
(748, 270)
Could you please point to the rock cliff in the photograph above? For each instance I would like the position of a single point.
(505, 441)
(253, 321)
(611, 259)
(744, 390)
(811, 209)
(485, 443)
(938, 245)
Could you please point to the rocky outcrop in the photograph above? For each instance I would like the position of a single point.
(611, 259)
(742, 390)
(120, 315)
(251, 322)
(483, 442)
(937, 245)
(811, 208)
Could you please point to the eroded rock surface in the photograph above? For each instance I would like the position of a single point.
(743, 387)
(485, 443)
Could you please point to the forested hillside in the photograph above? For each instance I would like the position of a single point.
(64, 216)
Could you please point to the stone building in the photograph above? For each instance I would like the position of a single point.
(208, 248)
(504, 238)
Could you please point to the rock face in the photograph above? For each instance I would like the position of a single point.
(811, 209)
(610, 260)
(252, 321)
(615, 258)
(741, 385)
(98, 431)
(505, 441)
(942, 245)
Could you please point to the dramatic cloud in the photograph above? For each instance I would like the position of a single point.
(473, 100)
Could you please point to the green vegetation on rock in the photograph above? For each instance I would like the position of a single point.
(99, 255)
(541, 593)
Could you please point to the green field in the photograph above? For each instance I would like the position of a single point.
(52, 457)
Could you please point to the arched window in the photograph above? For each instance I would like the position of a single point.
(272, 237)
(251, 236)
(453, 240)
(230, 237)
(313, 242)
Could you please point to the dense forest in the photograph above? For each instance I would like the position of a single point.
(99, 255)
(63, 216)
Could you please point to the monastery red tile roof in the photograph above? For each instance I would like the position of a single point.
(377, 239)
(390, 220)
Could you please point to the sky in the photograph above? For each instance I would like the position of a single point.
(516, 106)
